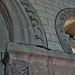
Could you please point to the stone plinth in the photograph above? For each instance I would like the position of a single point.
(31, 60)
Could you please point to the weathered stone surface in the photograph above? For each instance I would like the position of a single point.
(27, 27)
(26, 61)
(15, 16)
(22, 22)
(3, 34)
(38, 51)
(1, 68)
(50, 14)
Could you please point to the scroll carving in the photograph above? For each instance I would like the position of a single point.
(59, 25)
(36, 25)
(17, 67)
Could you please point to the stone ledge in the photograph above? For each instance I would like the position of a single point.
(13, 47)
(39, 62)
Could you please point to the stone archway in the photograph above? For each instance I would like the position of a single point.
(22, 22)
(59, 25)
(21, 25)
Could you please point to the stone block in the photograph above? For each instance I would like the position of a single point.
(18, 61)
(54, 46)
(66, 4)
(46, 15)
(44, 20)
(48, 36)
(62, 6)
(38, 7)
(58, 1)
(49, 29)
(51, 23)
(54, 38)
(53, 3)
(32, 1)
(72, 2)
(66, 1)
(41, 0)
(56, 8)
(49, 11)
(43, 4)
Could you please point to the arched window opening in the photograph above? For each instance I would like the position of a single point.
(65, 23)
(69, 28)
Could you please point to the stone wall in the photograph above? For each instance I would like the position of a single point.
(31, 60)
(47, 10)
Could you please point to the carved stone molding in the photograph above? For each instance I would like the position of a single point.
(23, 22)
(35, 24)
(15, 66)
(61, 17)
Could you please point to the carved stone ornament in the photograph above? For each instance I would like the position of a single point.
(17, 67)
(23, 22)
(61, 17)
